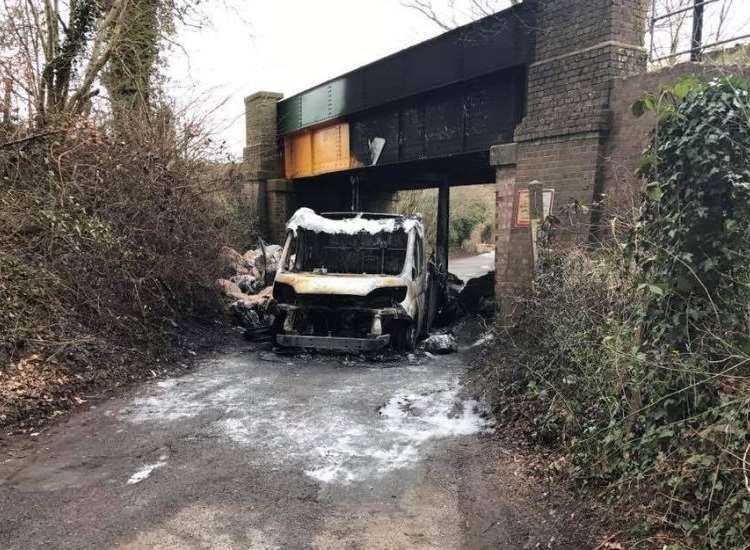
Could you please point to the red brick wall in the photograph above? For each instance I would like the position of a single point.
(629, 136)
(261, 154)
(582, 46)
(504, 193)
(569, 25)
(569, 165)
(279, 206)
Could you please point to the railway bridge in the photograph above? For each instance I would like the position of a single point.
(517, 97)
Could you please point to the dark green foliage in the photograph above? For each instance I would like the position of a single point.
(694, 233)
(635, 361)
(463, 225)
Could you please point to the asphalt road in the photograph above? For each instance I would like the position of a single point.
(472, 266)
(263, 451)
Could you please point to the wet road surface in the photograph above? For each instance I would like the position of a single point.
(258, 450)
(472, 266)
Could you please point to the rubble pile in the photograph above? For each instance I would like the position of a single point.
(478, 295)
(441, 344)
(475, 296)
(248, 284)
(464, 300)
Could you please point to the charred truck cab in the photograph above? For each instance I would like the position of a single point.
(352, 282)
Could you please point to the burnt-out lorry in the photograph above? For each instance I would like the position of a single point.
(352, 282)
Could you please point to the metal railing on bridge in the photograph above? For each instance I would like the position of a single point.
(695, 30)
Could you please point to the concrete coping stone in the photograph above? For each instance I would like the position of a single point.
(264, 96)
(503, 155)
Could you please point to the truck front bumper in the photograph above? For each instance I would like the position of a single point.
(333, 343)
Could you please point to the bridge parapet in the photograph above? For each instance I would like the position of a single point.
(583, 47)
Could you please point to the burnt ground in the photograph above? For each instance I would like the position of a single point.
(252, 449)
(47, 385)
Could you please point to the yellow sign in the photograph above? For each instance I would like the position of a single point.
(318, 151)
(523, 206)
(523, 212)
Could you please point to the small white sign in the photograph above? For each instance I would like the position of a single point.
(376, 149)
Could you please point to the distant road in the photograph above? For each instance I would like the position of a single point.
(473, 266)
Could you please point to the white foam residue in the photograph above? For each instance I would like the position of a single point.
(192, 397)
(437, 415)
(333, 473)
(307, 219)
(346, 390)
(485, 339)
(145, 472)
(398, 455)
(409, 422)
(417, 369)
(340, 435)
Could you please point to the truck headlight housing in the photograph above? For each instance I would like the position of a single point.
(386, 297)
(284, 293)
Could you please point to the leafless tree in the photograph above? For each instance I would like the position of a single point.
(449, 14)
(55, 54)
(670, 34)
(674, 26)
(722, 18)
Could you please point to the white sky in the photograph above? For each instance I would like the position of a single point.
(290, 45)
(286, 46)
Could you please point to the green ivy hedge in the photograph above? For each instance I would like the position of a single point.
(635, 360)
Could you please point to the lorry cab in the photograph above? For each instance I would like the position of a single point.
(352, 282)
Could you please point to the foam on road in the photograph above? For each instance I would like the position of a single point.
(354, 424)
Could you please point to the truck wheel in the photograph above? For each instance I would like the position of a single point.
(404, 337)
(278, 324)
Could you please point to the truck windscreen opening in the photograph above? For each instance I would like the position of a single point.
(383, 253)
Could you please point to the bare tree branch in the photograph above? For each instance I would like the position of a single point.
(669, 37)
(56, 52)
(108, 37)
(450, 14)
(425, 8)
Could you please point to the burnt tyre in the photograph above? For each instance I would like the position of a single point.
(404, 337)
(277, 327)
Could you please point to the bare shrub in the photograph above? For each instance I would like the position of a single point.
(107, 240)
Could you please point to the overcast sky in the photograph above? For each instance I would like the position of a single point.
(285, 46)
(290, 45)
